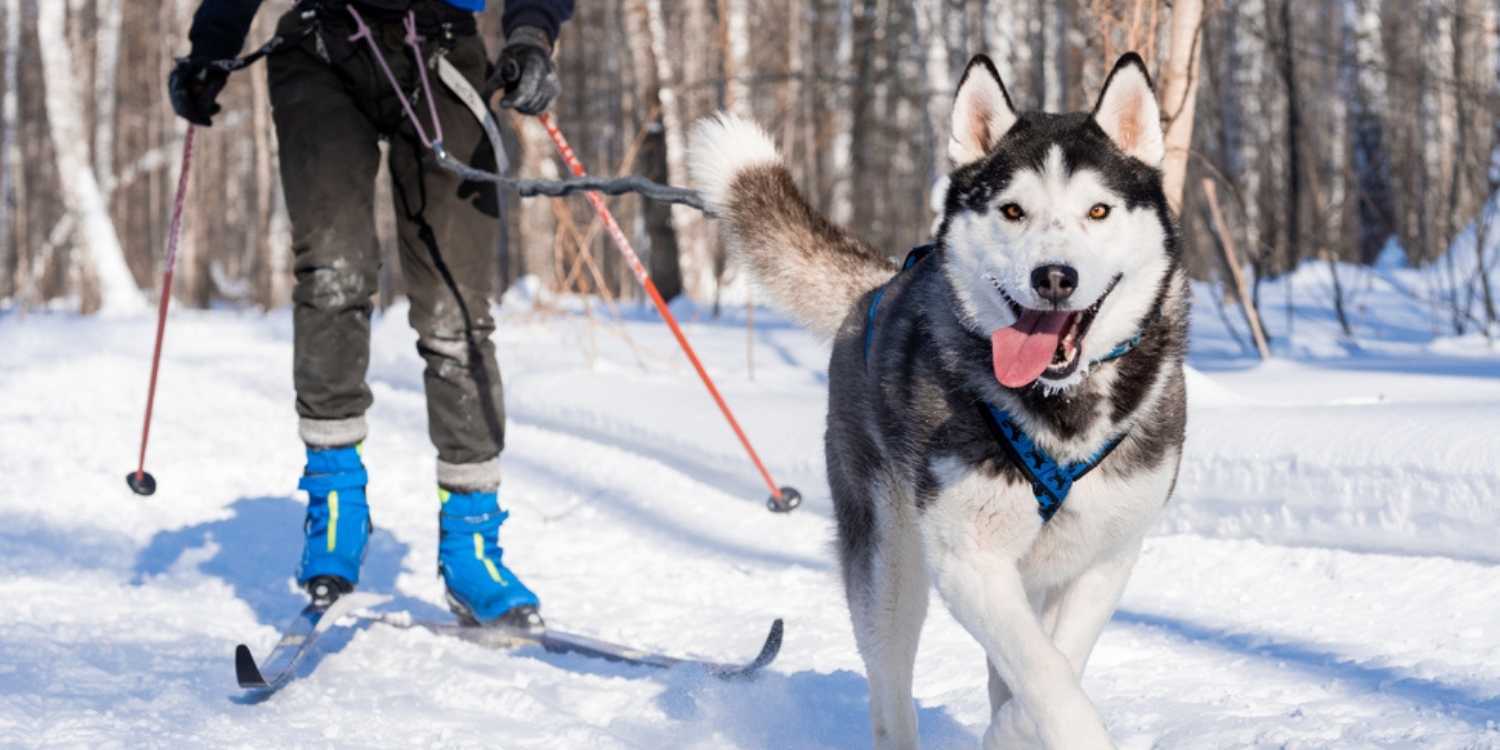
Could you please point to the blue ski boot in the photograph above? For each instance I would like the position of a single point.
(481, 590)
(337, 525)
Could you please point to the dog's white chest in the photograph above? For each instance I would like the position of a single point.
(973, 510)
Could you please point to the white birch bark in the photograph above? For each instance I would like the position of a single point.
(841, 197)
(1179, 94)
(1009, 44)
(792, 90)
(117, 287)
(1249, 72)
(938, 98)
(1052, 38)
(697, 272)
(106, 64)
(738, 66)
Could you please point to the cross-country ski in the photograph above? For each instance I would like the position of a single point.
(559, 641)
(297, 644)
(298, 639)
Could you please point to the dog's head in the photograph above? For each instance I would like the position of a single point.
(1056, 232)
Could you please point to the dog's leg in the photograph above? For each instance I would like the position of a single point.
(999, 691)
(985, 593)
(888, 610)
(1076, 613)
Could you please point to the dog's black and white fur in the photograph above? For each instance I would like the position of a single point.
(924, 492)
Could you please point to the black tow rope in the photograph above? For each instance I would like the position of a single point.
(561, 188)
(526, 188)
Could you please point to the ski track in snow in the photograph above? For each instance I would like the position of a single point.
(1324, 577)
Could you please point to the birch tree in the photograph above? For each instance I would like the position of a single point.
(841, 198)
(110, 16)
(657, 217)
(9, 160)
(1391, 107)
(1179, 94)
(117, 288)
(686, 224)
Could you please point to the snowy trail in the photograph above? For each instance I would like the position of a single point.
(1347, 598)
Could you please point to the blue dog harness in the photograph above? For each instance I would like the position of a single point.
(1051, 481)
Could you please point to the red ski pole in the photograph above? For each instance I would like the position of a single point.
(139, 480)
(783, 499)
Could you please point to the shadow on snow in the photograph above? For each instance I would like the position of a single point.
(256, 551)
(1467, 706)
(804, 710)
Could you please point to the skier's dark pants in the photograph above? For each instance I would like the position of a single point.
(330, 115)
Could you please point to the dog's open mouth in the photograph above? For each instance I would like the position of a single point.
(1041, 343)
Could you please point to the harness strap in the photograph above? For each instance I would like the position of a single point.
(1051, 481)
(362, 31)
(271, 47)
(912, 258)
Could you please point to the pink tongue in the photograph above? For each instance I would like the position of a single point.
(1023, 351)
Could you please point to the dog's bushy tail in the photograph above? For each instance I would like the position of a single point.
(814, 268)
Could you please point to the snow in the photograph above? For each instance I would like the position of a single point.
(1325, 575)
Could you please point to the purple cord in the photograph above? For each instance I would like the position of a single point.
(364, 33)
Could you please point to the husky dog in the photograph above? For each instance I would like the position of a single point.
(1044, 332)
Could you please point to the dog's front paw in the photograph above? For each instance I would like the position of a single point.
(1011, 728)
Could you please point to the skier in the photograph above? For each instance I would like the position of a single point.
(332, 104)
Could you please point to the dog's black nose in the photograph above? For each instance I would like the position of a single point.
(1054, 283)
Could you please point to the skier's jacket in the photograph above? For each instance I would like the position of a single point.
(220, 26)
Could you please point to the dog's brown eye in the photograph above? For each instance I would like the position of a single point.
(1098, 212)
(1012, 212)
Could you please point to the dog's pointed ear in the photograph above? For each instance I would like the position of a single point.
(1128, 113)
(981, 112)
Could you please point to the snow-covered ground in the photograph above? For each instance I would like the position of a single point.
(1326, 575)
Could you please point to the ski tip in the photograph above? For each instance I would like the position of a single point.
(768, 652)
(245, 669)
(772, 646)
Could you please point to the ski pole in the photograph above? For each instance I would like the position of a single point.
(141, 482)
(783, 499)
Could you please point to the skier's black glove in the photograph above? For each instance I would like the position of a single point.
(524, 70)
(194, 87)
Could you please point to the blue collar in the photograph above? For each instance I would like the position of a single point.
(1051, 481)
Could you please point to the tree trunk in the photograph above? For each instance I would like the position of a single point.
(109, 18)
(117, 287)
(9, 159)
(1374, 207)
(1179, 95)
(692, 263)
(1293, 154)
(1489, 207)
(737, 63)
(538, 227)
(863, 116)
(841, 195)
(657, 216)
(938, 90)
